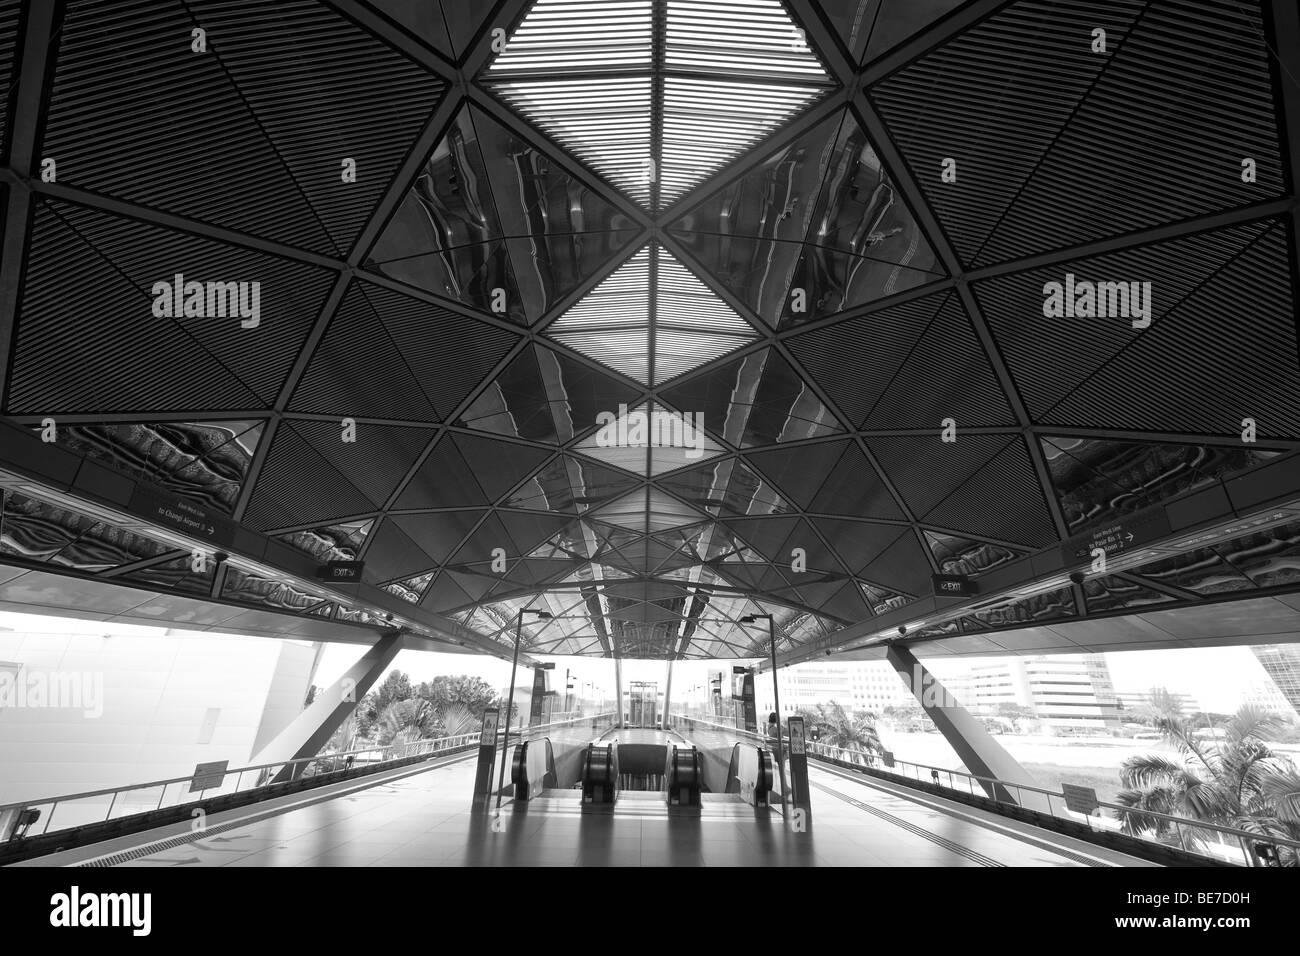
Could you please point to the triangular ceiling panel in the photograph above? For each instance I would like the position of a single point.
(649, 440)
(651, 320)
(1083, 371)
(290, 86)
(192, 362)
(628, 91)
(1002, 500)
(859, 543)
(891, 21)
(917, 364)
(570, 485)
(728, 488)
(490, 210)
(387, 355)
(444, 480)
(312, 475)
(754, 401)
(545, 396)
(798, 472)
(1015, 69)
(446, 25)
(818, 228)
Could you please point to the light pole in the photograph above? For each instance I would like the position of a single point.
(510, 703)
(776, 696)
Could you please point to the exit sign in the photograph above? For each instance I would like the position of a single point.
(343, 571)
(953, 585)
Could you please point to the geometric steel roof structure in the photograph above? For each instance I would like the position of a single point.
(655, 314)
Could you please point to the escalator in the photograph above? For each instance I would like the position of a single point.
(648, 772)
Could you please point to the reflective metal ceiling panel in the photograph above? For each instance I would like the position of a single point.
(1085, 371)
(674, 206)
(287, 88)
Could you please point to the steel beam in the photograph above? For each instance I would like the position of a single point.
(312, 729)
(979, 752)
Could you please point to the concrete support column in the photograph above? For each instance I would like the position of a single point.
(311, 729)
(982, 755)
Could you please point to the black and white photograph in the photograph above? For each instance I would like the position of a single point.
(707, 439)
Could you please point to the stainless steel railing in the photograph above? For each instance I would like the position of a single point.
(98, 806)
(1211, 840)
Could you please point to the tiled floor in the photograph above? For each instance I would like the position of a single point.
(425, 820)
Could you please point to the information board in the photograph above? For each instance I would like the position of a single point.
(183, 515)
(209, 776)
(1120, 534)
(1079, 799)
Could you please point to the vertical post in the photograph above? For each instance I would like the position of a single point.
(668, 693)
(510, 704)
(776, 698)
(618, 690)
(487, 749)
(800, 797)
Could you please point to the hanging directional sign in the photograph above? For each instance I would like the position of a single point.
(182, 515)
(1124, 533)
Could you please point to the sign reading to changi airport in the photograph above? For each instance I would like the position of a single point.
(953, 585)
(1119, 535)
(1079, 799)
(343, 570)
(209, 776)
(183, 515)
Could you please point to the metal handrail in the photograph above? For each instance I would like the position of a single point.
(1178, 822)
(761, 738)
(388, 752)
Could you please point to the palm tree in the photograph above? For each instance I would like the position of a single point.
(457, 719)
(404, 721)
(856, 734)
(1232, 780)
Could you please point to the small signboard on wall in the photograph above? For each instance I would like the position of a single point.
(209, 776)
(1079, 799)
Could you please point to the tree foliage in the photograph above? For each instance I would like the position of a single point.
(397, 711)
(1229, 777)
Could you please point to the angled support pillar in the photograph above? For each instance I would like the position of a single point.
(311, 729)
(618, 691)
(982, 755)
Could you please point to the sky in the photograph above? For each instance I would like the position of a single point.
(1216, 677)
